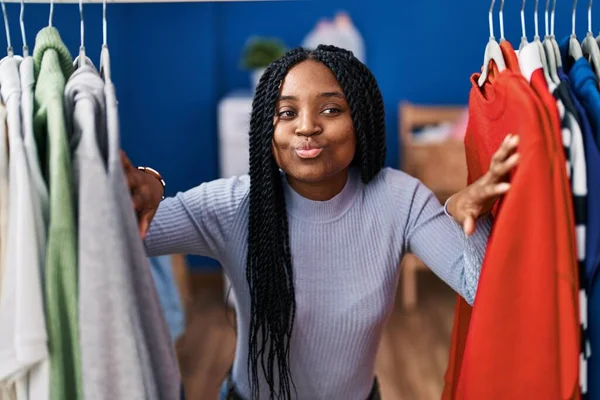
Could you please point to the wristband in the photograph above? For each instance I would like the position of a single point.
(157, 175)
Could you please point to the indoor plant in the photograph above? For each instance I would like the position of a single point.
(258, 53)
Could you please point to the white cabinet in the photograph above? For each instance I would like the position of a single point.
(234, 112)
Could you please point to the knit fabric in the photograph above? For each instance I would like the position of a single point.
(345, 253)
(38, 383)
(53, 66)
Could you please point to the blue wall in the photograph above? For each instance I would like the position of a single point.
(173, 62)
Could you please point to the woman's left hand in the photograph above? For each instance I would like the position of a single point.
(478, 198)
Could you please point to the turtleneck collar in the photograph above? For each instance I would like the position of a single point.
(49, 38)
(323, 211)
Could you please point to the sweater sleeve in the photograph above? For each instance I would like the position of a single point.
(197, 221)
(436, 238)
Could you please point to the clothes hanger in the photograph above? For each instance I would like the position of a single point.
(22, 23)
(598, 39)
(80, 59)
(501, 18)
(574, 47)
(104, 54)
(549, 48)
(589, 46)
(51, 13)
(510, 60)
(524, 41)
(9, 49)
(540, 46)
(557, 55)
(492, 52)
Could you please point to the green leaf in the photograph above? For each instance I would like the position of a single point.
(259, 52)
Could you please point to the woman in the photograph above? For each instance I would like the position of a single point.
(313, 237)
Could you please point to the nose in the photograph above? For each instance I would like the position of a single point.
(308, 125)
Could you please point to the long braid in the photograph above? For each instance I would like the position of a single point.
(269, 270)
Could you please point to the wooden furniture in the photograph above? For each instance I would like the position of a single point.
(441, 166)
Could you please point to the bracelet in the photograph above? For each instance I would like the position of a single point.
(157, 175)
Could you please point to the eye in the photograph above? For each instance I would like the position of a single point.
(332, 111)
(286, 114)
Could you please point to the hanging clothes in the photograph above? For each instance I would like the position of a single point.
(154, 332)
(525, 363)
(574, 148)
(7, 391)
(585, 87)
(3, 187)
(109, 339)
(53, 65)
(531, 67)
(38, 379)
(69, 237)
(23, 337)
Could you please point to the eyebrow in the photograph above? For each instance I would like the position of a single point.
(324, 94)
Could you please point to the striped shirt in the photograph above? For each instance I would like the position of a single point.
(572, 139)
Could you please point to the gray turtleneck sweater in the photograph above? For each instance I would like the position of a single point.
(346, 254)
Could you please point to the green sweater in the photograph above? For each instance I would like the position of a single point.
(53, 66)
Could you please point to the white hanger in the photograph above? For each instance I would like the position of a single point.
(501, 18)
(524, 41)
(80, 60)
(574, 46)
(549, 48)
(557, 55)
(51, 13)
(540, 46)
(9, 49)
(492, 52)
(104, 54)
(589, 46)
(22, 23)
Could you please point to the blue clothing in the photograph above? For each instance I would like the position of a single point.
(592, 155)
(168, 294)
(587, 100)
(584, 84)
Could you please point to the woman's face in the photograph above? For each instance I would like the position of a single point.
(314, 135)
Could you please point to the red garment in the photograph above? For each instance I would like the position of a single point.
(511, 351)
(566, 257)
(566, 263)
(462, 310)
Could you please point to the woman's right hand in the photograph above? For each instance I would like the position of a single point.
(146, 193)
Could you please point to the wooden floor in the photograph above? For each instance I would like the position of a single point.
(410, 364)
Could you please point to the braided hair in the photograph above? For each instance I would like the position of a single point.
(269, 270)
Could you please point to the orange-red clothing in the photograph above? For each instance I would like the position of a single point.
(566, 261)
(524, 308)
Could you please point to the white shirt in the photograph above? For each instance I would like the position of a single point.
(39, 375)
(23, 337)
(3, 186)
